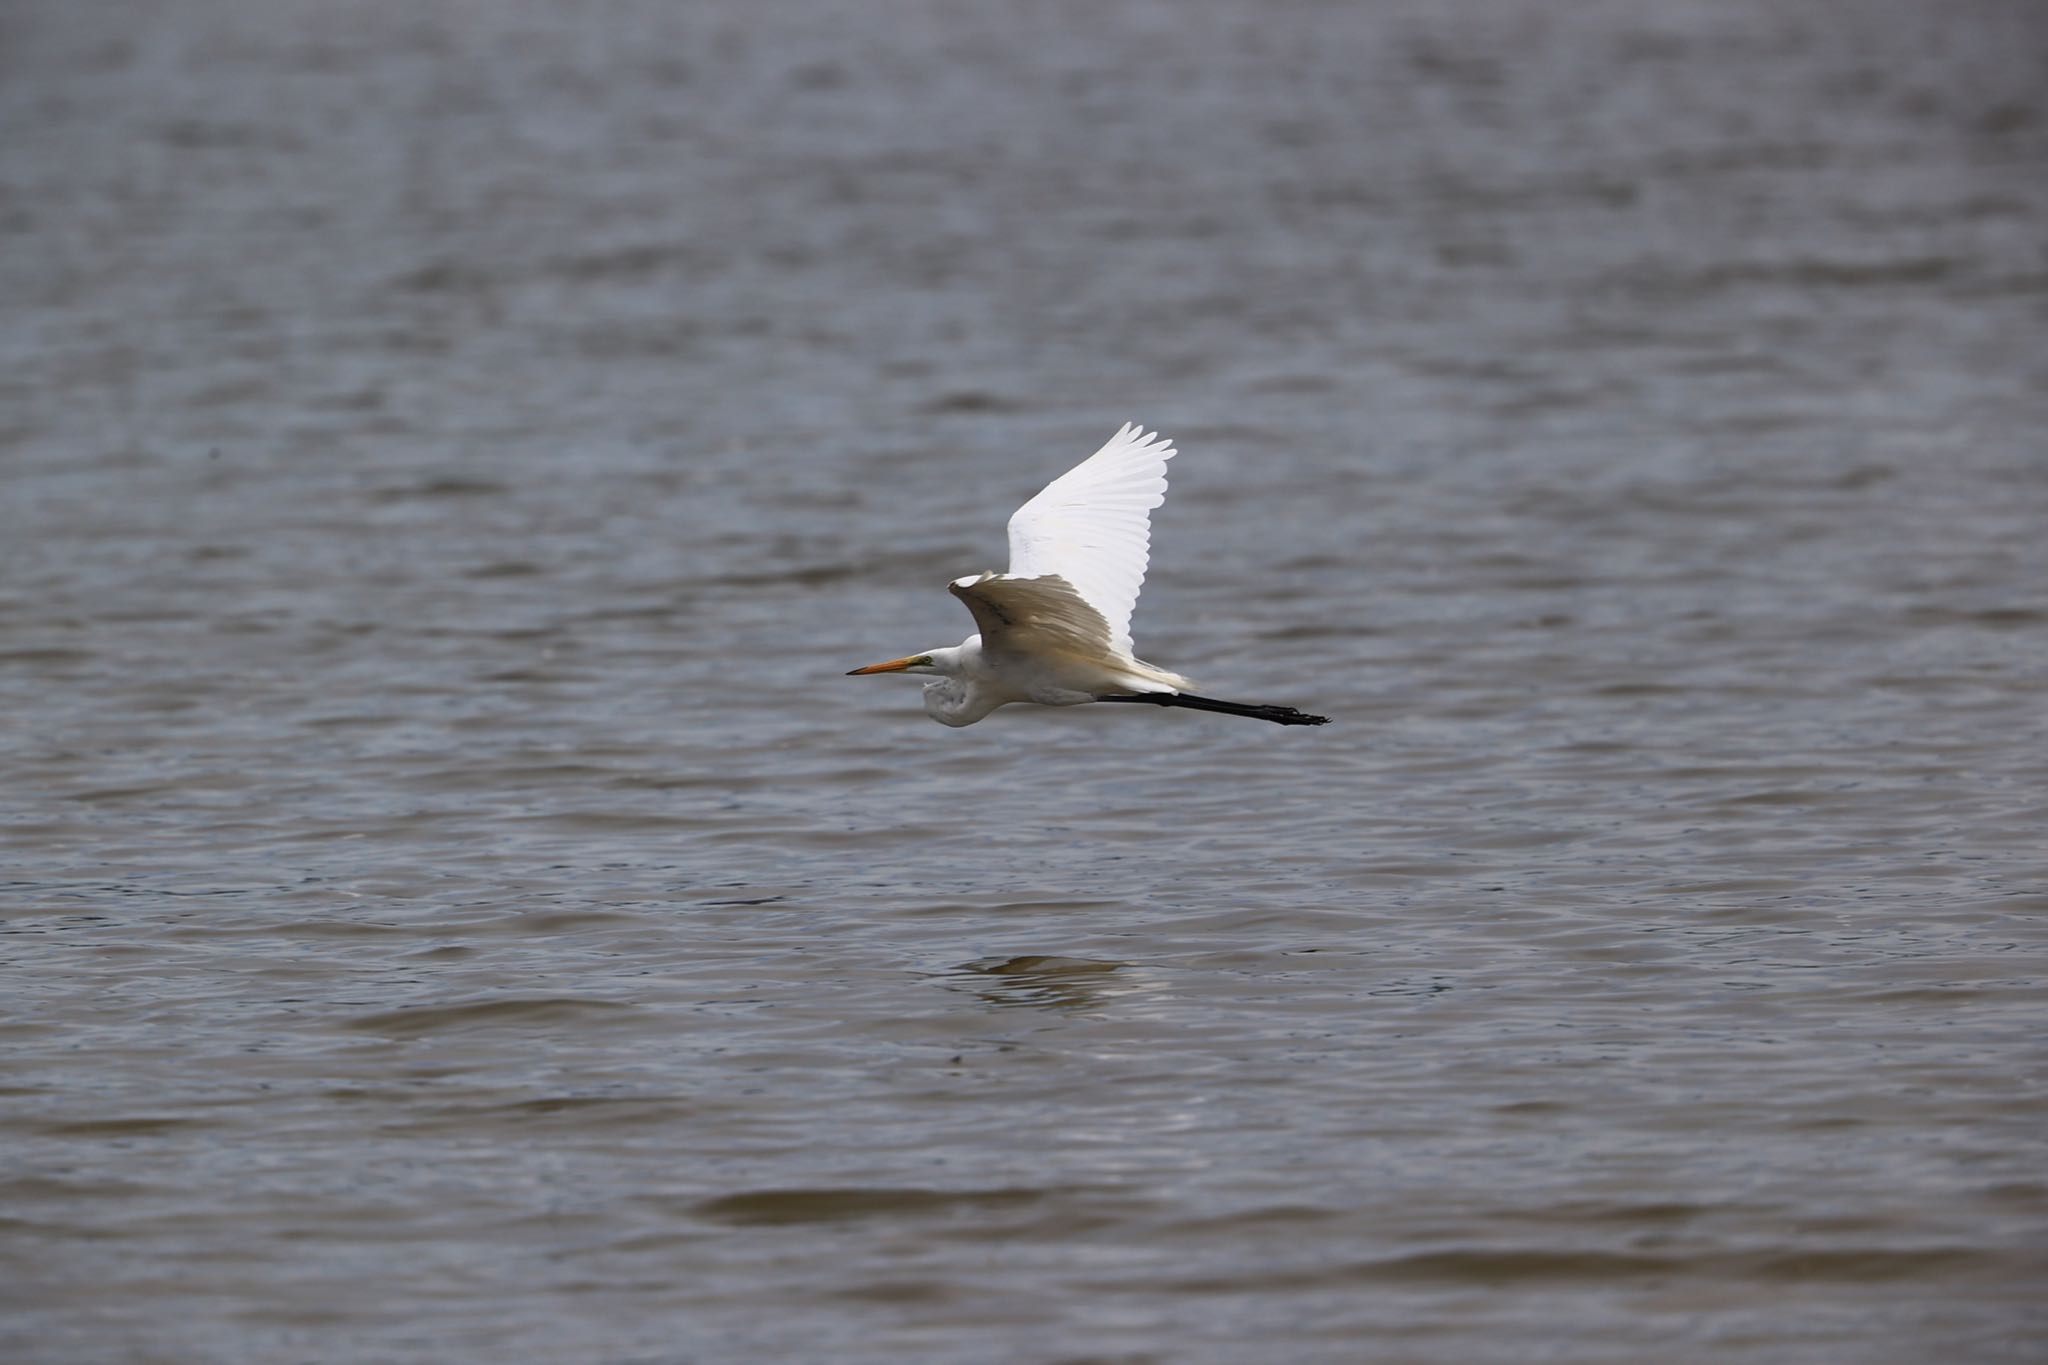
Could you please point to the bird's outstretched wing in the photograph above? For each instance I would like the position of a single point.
(1034, 616)
(1092, 526)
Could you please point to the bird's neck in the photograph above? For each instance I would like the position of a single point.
(961, 661)
(963, 696)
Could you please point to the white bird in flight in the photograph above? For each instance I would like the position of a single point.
(1056, 629)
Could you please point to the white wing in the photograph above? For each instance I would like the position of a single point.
(1046, 621)
(1093, 526)
(1034, 615)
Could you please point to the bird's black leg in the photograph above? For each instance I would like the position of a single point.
(1279, 715)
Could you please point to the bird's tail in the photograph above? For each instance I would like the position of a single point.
(1279, 715)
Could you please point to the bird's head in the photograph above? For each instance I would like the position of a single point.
(932, 663)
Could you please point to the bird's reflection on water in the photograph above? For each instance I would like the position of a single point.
(1049, 982)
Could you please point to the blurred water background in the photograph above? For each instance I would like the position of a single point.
(455, 909)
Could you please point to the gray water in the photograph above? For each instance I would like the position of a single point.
(456, 909)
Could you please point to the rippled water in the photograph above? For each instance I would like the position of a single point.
(455, 909)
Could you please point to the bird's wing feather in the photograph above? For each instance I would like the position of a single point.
(1092, 527)
(1034, 615)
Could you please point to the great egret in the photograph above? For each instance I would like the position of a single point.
(1056, 629)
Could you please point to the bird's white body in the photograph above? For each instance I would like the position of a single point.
(1056, 629)
(976, 678)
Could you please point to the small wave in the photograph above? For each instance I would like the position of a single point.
(826, 1205)
(420, 1021)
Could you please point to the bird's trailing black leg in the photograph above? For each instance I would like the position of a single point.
(1279, 715)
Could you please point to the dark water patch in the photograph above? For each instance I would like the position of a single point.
(1451, 1267)
(1877, 1265)
(1275, 1218)
(1514, 1267)
(1788, 798)
(33, 1189)
(804, 575)
(521, 1014)
(1792, 274)
(356, 400)
(667, 339)
(508, 775)
(1299, 631)
(629, 263)
(1995, 618)
(795, 1207)
(571, 921)
(976, 401)
(608, 1117)
(445, 276)
(337, 927)
(901, 1292)
(682, 781)
(1040, 981)
(1307, 382)
(48, 657)
(1419, 870)
(1651, 1214)
(119, 795)
(445, 486)
(118, 1128)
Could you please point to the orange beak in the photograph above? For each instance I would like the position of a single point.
(893, 666)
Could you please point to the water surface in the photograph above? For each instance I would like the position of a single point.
(455, 909)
